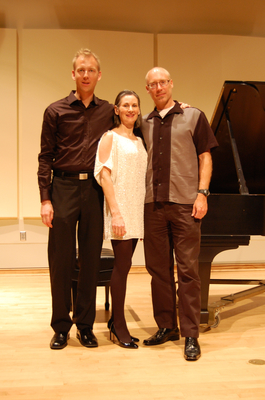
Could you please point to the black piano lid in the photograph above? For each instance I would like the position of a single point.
(244, 104)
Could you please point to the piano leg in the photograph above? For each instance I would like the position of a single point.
(210, 247)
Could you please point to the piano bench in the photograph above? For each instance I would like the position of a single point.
(105, 271)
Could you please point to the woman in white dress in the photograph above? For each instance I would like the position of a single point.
(120, 169)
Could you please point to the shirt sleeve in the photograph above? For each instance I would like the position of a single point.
(99, 165)
(204, 138)
(47, 153)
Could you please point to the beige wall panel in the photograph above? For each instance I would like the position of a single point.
(8, 123)
(243, 58)
(45, 76)
(199, 64)
(195, 67)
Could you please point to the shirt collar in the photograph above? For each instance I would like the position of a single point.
(72, 98)
(175, 110)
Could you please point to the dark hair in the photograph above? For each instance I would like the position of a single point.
(116, 117)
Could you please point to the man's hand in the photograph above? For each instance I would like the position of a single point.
(200, 207)
(47, 213)
(183, 105)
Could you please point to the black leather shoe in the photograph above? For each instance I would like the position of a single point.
(162, 336)
(192, 349)
(126, 345)
(86, 337)
(59, 340)
(135, 339)
(110, 322)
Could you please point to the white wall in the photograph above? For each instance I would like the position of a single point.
(36, 70)
(8, 124)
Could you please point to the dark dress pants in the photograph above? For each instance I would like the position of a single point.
(78, 212)
(170, 226)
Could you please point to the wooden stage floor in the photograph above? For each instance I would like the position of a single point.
(29, 370)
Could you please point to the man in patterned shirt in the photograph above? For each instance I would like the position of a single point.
(178, 176)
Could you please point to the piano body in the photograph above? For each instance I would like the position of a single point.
(237, 200)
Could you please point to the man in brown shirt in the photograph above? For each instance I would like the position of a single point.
(71, 199)
(178, 176)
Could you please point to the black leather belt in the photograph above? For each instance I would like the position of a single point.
(74, 175)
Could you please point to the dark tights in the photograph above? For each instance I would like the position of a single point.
(123, 252)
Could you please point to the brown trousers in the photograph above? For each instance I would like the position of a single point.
(168, 227)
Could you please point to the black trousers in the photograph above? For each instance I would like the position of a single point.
(78, 213)
(170, 226)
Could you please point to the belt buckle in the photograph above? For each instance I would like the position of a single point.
(83, 177)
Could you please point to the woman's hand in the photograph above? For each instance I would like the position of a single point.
(118, 225)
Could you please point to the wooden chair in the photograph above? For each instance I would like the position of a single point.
(106, 267)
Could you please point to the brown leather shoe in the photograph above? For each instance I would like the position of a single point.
(59, 340)
(192, 350)
(162, 336)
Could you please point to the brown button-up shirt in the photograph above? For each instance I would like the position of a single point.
(173, 145)
(69, 138)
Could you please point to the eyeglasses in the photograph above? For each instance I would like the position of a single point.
(163, 83)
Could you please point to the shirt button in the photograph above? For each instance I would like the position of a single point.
(162, 122)
(160, 138)
(161, 152)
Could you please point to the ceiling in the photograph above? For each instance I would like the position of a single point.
(227, 17)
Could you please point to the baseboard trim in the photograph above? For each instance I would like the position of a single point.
(138, 269)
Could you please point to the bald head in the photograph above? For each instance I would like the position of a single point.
(156, 70)
(159, 85)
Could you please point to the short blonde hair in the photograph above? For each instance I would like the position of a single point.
(86, 53)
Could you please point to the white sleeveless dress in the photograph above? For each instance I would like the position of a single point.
(128, 163)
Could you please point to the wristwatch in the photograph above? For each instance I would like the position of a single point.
(204, 191)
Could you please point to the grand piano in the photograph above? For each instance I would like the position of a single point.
(237, 200)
